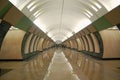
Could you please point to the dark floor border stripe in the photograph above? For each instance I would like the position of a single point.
(110, 58)
(11, 59)
(31, 54)
(26, 57)
(94, 55)
(97, 55)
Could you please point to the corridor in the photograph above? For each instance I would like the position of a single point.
(59, 65)
(59, 39)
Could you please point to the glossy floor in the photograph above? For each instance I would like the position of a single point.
(88, 68)
(76, 66)
(60, 68)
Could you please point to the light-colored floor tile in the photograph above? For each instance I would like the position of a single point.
(76, 66)
(60, 69)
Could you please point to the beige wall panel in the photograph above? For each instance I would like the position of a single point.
(90, 44)
(71, 44)
(68, 44)
(74, 43)
(28, 44)
(51, 52)
(86, 45)
(79, 44)
(82, 45)
(32, 44)
(35, 47)
(48, 44)
(114, 16)
(111, 41)
(13, 16)
(96, 44)
(11, 46)
(45, 44)
(40, 44)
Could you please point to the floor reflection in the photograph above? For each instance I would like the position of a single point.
(32, 69)
(60, 68)
(83, 67)
(88, 68)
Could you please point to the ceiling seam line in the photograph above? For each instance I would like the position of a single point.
(61, 16)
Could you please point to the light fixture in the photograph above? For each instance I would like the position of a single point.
(32, 8)
(30, 5)
(89, 13)
(35, 13)
(98, 5)
(93, 7)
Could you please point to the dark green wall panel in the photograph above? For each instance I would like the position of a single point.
(5, 10)
(24, 42)
(24, 23)
(4, 27)
(118, 26)
(102, 23)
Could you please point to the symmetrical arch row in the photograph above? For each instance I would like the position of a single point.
(18, 44)
(99, 39)
(19, 37)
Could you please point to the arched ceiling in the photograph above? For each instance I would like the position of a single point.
(60, 19)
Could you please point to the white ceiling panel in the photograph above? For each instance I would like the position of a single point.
(59, 19)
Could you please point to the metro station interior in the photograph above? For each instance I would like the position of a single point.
(59, 39)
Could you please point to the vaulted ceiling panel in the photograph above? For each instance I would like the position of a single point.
(60, 19)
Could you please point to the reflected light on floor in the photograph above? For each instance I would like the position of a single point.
(60, 68)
